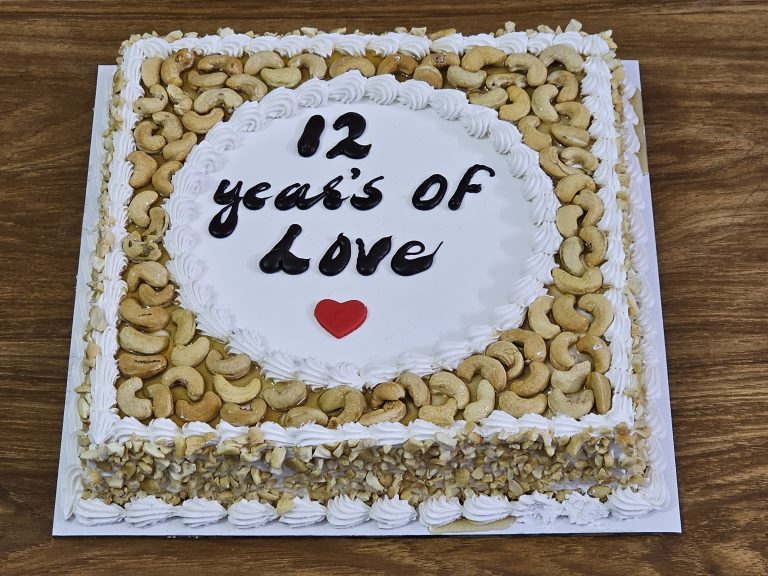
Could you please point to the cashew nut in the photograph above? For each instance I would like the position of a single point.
(416, 388)
(440, 60)
(202, 411)
(139, 249)
(521, 105)
(601, 388)
(170, 126)
(347, 63)
(151, 319)
(541, 103)
(569, 186)
(575, 405)
(550, 161)
(144, 167)
(481, 56)
(281, 77)
(450, 385)
(141, 366)
(563, 53)
(232, 367)
(221, 62)
(567, 83)
(162, 400)
(146, 139)
(536, 71)
(179, 149)
(217, 97)
(569, 135)
(175, 64)
(350, 399)
(571, 380)
(236, 394)
(315, 65)
(260, 60)
(578, 115)
(185, 326)
(567, 220)
(492, 99)
(386, 392)
(592, 205)
(249, 415)
(202, 123)
(141, 343)
(598, 350)
(505, 80)
(489, 368)
(129, 404)
(570, 255)
(161, 179)
(153, 273)
(601, 310)
(191, 354)
(534, 382)
(285, 395)
(139, 206)
(430, 75)
(148, 105)
(559, 350)
(483, 406)
(590, 281)
(461, 78)
(148, 296)
(187, 377)
(532, 136)
(158, 224)
(578, 157)
(567, 316)
(538, 320)
(150, 71)
(181, 101)
(301, 415)
(440, 415)
(518, 407)
(534, 348)
(393, 411)
(509, 355)
(401, 63)
(252, 87)
(595, 240)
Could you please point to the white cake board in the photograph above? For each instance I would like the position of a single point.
(660, 521)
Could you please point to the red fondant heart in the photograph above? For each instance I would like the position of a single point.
(340, 318)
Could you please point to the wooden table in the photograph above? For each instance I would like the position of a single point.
(705, 89)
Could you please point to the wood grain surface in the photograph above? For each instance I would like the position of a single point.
(705, 83)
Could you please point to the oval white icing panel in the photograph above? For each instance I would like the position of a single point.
(416, 321)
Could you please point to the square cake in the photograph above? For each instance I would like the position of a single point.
(355, 278)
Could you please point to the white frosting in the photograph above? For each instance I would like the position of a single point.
(199, 512)
(250, 513)
(390, 513)
(343, 512)
(143, 512)
(304, 513)
(484, 509)
(440, 511)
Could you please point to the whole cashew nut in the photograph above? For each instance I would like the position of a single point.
(571, 185)
(161, 179)
(483, 406)
(595, 240)
(314, 65)
(181, 101)
(550, 162)
(575, 406)
(301, 415)
(179, 149)
(567, 83)
(162, 400)
(142, 366)
(139, 207)
(285, 395)
(170, 126)
(253, 88)
(506, 80)
(145, 137)
(261, 60)
(578, 157)
(223, 63)
(534, 382)
(386, 392)
(601, 310)
(152, 273)
(148, 296)
(578, 115)
(148, 105)
(592, 205)
(559, 351)
(139, 249)
(393, 411)
(534, 348)
(202, 411)
(141, 343)
(518, 407)
(573, 379)
(232, 367)
(601, 388)
(441, 60)
(440, 415)
(461, 78)
(450, 385)
(495, 98)
(429, 74)
(151, 319)
(481, 56)
(567, 220)
(185, 326)
(509, 355)
(520, 105)
(536, 71)
(532, 136)
(150, 71)
(538, 320)
(236, 394)
(402, 63)
(191, 354)
(202, 123)
(489, 368)
(347, 63)
(541, 103)
(350, 399)
(175, 64)
(248, 415)
(187, 377)
(590, 281)
(416, 388)
(281, 77)
(598, 350)
(144, 167)
(129, 404)
(566, 315)
(570, 256)
(563, 53)
(569, 135)
(158, 224)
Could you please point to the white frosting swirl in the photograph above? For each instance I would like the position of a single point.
(199, 512)
(143, 512)
(484, 509)
(250, 513)
(305, 512)
(439, 511)
(390, 513)
(343, 512)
